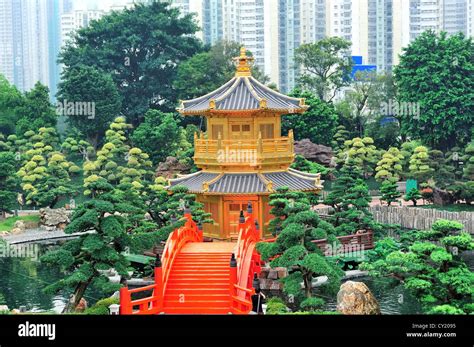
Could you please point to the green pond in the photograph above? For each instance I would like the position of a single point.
(23, 279)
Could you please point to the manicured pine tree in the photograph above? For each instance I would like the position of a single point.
(296, 225)
(84, 257)
(339, 138)
(389, 191)
(390, 166)
(432, 268)
(362, 151)
(468, 159)
(420, 164)
(413, 195)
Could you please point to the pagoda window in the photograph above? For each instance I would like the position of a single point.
(216, 130)
(267, 131)
(240, 131)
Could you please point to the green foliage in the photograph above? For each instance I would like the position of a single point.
(435, 71)
(101, 307)
(207, 71)
(362, 152)
(45, 173)
(140, 48)
(350, 200)
(36, 110)
(339, 138)
(324, 65)
(296, 225)
(81, 84)
(432, 267)
(420, 164)
(276, 306)
(318, 123)
(10, 100)
(160, 135)
(112, 215)
(468, 159)
(412, 195)
(389, 191)
(8, 182)
(390, 166)
(302, 164)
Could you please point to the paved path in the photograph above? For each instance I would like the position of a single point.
(38, 235)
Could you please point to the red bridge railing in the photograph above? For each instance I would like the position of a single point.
(246, 265)
(153, 304)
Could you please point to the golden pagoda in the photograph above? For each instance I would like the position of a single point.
(243, 156)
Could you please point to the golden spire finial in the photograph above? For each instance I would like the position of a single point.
(243, 63)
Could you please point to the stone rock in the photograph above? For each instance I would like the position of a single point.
(355, 298)
(15, 311)
(273, 274)
(282, 272)
(4, 308)
(318, 153)
(52, 219)
(19, 224)
(442, 197)
(170, 167)
(81, 307)
(264, 272)
(15, 231)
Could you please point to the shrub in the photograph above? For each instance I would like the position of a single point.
(101, 307)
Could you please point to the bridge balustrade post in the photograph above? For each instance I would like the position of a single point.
(158, 292)
(125, 299)
(200, 231)
(232, 281)
(241, 218)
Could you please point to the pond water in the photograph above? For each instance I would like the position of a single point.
(22, 281)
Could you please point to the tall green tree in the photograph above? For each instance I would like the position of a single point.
(159, 135)
(141, 48)
(325, 66)
(36, 111)
(436, 72)
(87, 84)
(8, 182)
(207, 71)
(10, 100)
(318, 123)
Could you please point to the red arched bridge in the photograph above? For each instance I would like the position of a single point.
(196, 277)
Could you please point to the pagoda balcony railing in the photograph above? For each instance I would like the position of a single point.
(245, 152)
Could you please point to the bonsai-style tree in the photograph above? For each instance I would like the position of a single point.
(8, 183)
(413, 195)
(432, 268)
(296, 225)
(390, 166)
(350, 200)
(362, 152)
(84, 257)
(339, 138)
(390, 193)
(420, 164)
(45, 173)
(305, 165)
(468, 158)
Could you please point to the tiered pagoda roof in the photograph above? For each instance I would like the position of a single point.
(248, 183)
(242, 93)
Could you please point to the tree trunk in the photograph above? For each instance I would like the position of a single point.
(77, 296)
(414, 202)
(308, 285)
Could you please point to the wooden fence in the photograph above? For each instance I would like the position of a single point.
(414, 218)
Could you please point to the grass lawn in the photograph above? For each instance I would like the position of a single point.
(451, 208)
(7, 224)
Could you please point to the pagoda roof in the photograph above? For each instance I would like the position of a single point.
(242, 93)
(248, 183)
